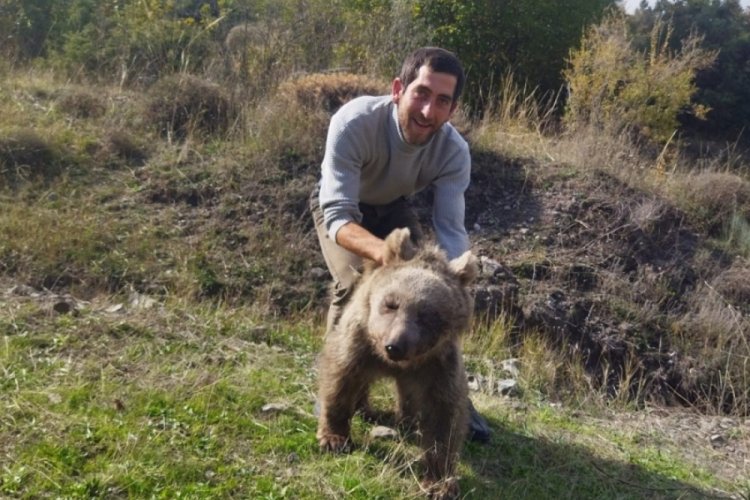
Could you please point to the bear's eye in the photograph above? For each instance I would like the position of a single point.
(390, 305)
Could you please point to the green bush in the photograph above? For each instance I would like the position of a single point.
(612, 84)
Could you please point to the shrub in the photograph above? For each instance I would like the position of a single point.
(181, 104)
(119, 144)
(330, 91)
(734, 286)
(715, 350)
(713, 198)
(610, 83)
(24, 154)
(81, 104)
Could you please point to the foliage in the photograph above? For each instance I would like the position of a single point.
(378, 48)
(724, 87)
(528, 38)
(610, 83)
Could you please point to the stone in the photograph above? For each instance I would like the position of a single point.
(508, 388)
(383, 432)
(511, 366)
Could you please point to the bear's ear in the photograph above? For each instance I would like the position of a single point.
(465, 267)
(398, 246)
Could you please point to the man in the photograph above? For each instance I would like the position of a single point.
(379, 151)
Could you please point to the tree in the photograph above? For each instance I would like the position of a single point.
(531, 38)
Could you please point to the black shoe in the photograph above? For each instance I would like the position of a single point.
(479, 431)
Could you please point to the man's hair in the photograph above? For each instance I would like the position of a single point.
(438, 60)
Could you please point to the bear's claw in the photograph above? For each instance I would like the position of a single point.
(334, 443)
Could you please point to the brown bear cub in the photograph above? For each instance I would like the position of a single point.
(404, 321)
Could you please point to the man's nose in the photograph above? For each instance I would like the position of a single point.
(428, 109)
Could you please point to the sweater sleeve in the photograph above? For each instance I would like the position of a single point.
(449, 205)
(340, 175)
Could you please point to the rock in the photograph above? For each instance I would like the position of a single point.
(383, 432)
(22, 291)
(114, 308)
(274, 407)
(488, 267)
(718, 440)
(508, 388)
(474, 383)
(317, 273)
(511, 366)
(140, 301)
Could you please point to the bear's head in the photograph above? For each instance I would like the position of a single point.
(418, 300)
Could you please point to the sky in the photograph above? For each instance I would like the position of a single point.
(631, 5)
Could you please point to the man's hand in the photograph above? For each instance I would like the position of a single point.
(360, 241)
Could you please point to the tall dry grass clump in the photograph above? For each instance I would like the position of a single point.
(520, 122)
(289, 126)
(712, 199)
(81, 103)
(330, 91)
(713, 345)
(181, 105)
(26, 155)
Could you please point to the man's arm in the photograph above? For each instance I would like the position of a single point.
(361, 242)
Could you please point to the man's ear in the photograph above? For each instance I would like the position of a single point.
(397, 90)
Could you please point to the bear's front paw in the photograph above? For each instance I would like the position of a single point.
(334, 443)
(447, 489)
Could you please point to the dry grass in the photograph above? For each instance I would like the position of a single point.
(330, 91)
(26, 155)
(81, 103)
(712, 198)
(181, 105)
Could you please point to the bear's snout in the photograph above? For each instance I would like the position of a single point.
(401, 342)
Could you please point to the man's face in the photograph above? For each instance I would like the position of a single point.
(425, 105)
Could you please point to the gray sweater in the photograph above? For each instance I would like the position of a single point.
(367, 160)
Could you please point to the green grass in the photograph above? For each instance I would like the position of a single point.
(166, 400)
(169, 402)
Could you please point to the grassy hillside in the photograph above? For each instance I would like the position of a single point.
(162, 296)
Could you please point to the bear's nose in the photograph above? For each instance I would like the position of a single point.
(395, 352)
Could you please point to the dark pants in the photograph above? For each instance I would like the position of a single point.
(343, 265)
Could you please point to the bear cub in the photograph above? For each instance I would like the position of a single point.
(404, 321)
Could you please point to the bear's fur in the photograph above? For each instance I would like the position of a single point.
(404, 321)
